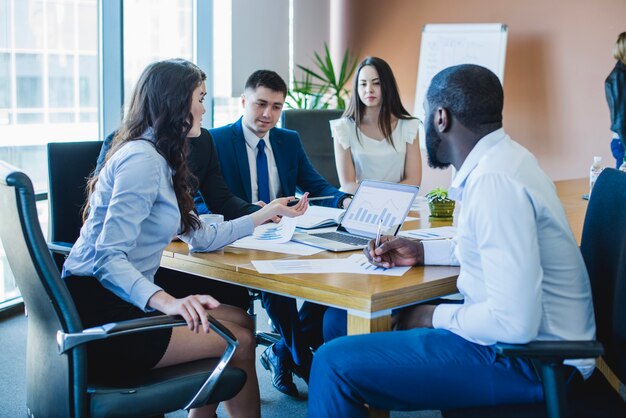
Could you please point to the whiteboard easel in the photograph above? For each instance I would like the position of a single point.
(445, 45)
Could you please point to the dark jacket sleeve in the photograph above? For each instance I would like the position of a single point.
(309, 180)
(205, 165)
(615, 89)
(106, 144)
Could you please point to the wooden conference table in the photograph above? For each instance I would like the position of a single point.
(368, 299)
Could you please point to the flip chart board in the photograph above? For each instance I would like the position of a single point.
(445, 45)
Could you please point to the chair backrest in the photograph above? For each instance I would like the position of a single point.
(314, 130)
(51, 378)
(69, 165)
(603, 247)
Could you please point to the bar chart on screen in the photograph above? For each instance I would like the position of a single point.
(377, 202)
(372, 215)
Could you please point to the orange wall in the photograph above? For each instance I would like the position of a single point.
(558, 55)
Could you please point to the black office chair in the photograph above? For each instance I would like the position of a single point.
(69, 165)
(603, 247)
(314, 130)
(58, 384)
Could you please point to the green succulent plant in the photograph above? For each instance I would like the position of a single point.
(438, 194)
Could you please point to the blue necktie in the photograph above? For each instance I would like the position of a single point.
(262, 176)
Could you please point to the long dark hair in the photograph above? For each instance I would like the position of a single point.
(162, 101)
(390, 105)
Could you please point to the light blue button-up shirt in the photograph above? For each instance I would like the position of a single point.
(522, 275)
(133, 215)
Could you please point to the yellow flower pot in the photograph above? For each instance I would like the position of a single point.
(441, 209)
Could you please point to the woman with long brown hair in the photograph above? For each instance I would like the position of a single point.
(138, 202)
(376, 138)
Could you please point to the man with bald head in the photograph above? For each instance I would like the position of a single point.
(521, 274)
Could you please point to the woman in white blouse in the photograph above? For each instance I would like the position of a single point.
(376, 138)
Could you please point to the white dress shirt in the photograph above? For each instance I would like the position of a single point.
(251, 142)
(522, 275)
(133, 215)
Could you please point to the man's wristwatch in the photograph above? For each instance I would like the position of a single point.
(344, 202)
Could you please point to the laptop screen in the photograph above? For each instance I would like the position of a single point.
(374, 200)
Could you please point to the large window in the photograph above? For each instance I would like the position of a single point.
(48, 88)
(169, 34)
(48, 79)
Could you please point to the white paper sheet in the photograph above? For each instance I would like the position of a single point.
(355, 264)
(426, 234)
(285, 248)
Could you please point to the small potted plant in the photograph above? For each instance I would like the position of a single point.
(440, 206)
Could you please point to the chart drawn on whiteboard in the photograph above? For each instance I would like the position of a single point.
(445, 45)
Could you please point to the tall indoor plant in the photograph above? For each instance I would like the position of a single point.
(321, 87)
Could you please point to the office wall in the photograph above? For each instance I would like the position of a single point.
(558, 55)
(260, 39)
(311, 29)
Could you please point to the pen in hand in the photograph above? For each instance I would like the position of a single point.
(378, 232)
(311, 199)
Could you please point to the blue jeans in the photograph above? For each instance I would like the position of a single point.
(418, 369)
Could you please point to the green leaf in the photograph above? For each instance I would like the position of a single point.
(321, 87)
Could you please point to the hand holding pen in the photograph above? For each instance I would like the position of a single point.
(311, 199)
(388, 251)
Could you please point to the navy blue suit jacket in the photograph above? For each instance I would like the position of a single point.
(294, 168)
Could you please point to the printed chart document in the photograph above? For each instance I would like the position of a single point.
(276, 238)
(355, 264)
(319, 217)
(442, 232)
(271, 233)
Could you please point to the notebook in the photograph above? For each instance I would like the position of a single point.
(373, 200)
(320, 217)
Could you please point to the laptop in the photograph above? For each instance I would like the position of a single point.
(373, 200)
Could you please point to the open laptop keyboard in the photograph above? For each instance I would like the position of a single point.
(344, 238)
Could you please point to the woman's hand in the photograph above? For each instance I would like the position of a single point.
(278, 207)
(194, 308)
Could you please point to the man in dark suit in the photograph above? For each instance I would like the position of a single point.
(259, 163)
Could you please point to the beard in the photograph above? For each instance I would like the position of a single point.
(433, 143)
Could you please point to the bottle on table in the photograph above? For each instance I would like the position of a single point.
(594, 172)
(623, 166)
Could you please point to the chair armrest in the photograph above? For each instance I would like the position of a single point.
(67, 341)
(60, 247)
(550, 351)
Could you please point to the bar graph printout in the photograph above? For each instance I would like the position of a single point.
(271, 232)
(355, 264)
